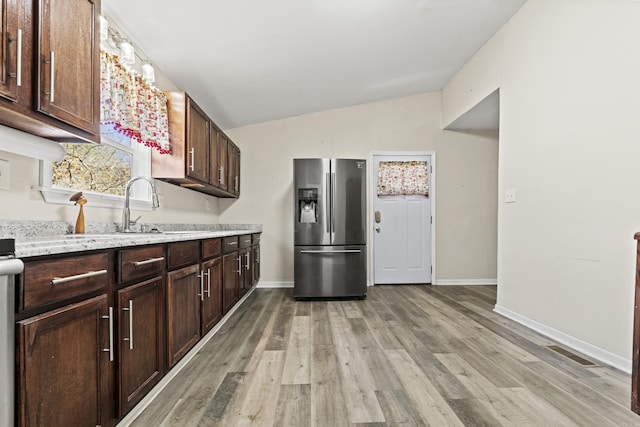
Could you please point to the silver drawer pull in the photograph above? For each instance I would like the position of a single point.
(232, 243)
(58, 280)
(148, 261)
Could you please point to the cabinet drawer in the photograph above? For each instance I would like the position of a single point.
(244, 241)
(180, 254)
(229, 244)
(255, 239)
(211, 248)
(56, 280)
(140, 263)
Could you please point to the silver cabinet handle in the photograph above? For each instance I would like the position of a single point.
(247, 266)
(130, 310)
(52, 87)
(110, 349)
(59, 280)
(258, 255)
(346, 251)
(201, 277)
(208, 274)
(232, 243)
(192, 166)
(240, 265)
(221, 179)
(148, 261)
(236, 183)
(19, 59)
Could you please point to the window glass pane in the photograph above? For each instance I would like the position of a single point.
(100, 168)
(109, 131)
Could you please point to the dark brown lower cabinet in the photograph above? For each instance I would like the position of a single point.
(65, 367)
(183, 312)
(141, 341)
(232, 267)
(212, 293)
(89, 362)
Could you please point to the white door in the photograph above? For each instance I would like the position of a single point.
(402, 229)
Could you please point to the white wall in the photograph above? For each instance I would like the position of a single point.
(568, 73)
(466, 177)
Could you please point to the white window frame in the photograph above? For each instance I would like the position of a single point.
(140, 197)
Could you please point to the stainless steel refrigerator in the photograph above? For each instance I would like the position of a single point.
(330, 252)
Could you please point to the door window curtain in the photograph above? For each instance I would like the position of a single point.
(132, 105)
(403, 178)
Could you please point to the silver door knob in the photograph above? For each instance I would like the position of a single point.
(377, 228)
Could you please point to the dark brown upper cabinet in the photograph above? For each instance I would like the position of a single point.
(200, 152)
(49, 82)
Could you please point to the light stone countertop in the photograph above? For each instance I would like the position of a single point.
(46, 238)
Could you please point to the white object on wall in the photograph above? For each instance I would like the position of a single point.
(25, 144)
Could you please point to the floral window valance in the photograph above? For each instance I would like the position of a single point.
(134, 107)
(398, 178)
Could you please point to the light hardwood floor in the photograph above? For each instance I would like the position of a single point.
(405, 356)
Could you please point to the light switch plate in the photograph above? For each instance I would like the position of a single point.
(510, 195)
(5, 174)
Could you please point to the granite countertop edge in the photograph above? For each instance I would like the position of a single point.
(48, 237)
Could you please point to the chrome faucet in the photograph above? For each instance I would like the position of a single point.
(126, 215)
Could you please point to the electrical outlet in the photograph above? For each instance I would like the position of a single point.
(510, 195)
(5, 174)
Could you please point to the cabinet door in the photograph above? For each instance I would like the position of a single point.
(231, 265)
(214, 162)
(247, 268)
(65, 376)
(212, 293)
(183, 312)
(256, 265)
(197, 143)
(141, 342)
(233, 175)
(68, 62)
(223, 145)
(10, 50)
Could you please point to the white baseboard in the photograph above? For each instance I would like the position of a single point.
(465, 282)
(577, 344)
(275, 285)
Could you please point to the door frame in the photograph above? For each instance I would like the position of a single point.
(373, 184)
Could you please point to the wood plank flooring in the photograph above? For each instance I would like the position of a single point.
(405, 356)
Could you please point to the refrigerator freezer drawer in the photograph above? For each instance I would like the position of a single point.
(330, 271)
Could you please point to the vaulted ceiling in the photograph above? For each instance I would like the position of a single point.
(251, 61)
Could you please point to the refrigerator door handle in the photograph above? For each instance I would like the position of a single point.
(345, 251)
(328, 208)
(333, 213)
